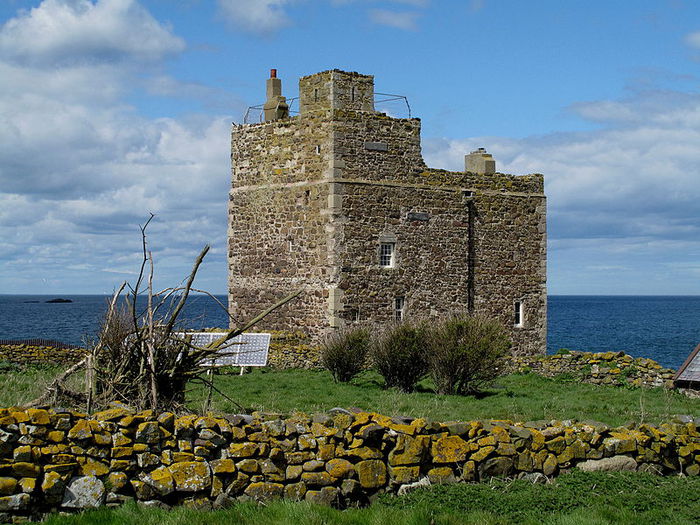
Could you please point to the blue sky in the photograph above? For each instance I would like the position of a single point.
(111, 109)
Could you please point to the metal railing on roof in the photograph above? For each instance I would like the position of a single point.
(255, 114)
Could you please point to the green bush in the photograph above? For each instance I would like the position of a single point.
(464, 353)
(400, 355)
(344, 353)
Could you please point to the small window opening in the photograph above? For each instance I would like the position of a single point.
(386, 254)
(399, 304)
(315, 95)
(318, 149)
(519, 314)
(352, 95)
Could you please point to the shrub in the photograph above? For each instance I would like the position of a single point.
(464, 353)
(400, 355)
(344, 353)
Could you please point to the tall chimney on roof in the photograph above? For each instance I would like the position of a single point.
(480, 162)
(275, 106)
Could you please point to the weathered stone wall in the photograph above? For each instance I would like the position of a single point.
(61, 459)
(336, 89)
(293, 350)
(314, 195)
(479, 244)
(430, 271)
(510, 264)
(602, 368)
(40, 355)
(277, 225)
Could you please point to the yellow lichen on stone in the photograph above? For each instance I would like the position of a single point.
(27, 485)
(81, 430)
(7, 486)
(482, 453)
(441, 475)
(450, 449)
(404, 475)
(340, 468)
(38, 416)
(371, 473)
(191, 476)
(161, 480)
(117, 480)
(223, 466)
(92, 467)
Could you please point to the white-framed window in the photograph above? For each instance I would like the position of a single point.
(387, 254)
(399, 306)
(519, 314)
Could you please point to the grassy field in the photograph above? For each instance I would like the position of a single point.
(517, 397)
(573, 499)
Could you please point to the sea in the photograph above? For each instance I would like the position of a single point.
(663, 328)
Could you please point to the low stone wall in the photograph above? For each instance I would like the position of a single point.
(287, 350)
(40, 355)
(64, 460)
(293, 350)
(604, 368)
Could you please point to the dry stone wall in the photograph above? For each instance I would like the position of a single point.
(65, 460)
(602, 368)
(24, 354)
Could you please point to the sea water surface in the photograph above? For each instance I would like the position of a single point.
(663, 328)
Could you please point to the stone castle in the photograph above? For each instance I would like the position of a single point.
(338, 201)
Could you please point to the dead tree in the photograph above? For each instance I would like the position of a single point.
(137, 358)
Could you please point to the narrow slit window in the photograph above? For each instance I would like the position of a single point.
(352, 95)
(518, 314)
(315, 95)
(386, 254)
(399, 305)
(318, 149)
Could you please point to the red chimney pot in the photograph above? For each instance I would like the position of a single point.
(273, 73)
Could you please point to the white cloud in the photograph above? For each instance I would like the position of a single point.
(693, 39)
(405, 20)
(59, 32)
(256, 16)
(80, 169)
(624, 195)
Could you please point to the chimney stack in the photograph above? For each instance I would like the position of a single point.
(275, 107)
(480, 162)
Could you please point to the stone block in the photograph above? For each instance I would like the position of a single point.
(84, 492)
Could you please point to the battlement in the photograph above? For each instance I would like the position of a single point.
(336, 89)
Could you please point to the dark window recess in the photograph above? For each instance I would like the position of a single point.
(418, 216)
(518, 313)
(399, 305)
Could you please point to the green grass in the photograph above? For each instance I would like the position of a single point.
(575, 498)
(23, 384)
(517, 397)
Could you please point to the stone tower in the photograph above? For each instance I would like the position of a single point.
(339, 202)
